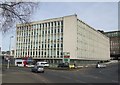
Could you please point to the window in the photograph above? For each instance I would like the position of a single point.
(58, 30)
(61, 30)
(55, 30)
(36, 52)
(51, 23)
(54, 45)
(52, 31)
(61, 45)
(58, 23)
(62, 23)
(55, 23)
(57, 52)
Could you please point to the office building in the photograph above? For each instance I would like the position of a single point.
(114, 44)
(49, 39)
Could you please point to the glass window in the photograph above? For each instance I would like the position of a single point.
(54, 45)
(61, 30)
(61, 45)
(55, 23)
(55, 30)
(51, 23)
(62, 23)
(58, 23)
(57, 52)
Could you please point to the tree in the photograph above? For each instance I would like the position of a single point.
(12, 12)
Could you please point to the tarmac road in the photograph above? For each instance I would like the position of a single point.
(84, 75)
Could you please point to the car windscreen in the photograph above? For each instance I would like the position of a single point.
(19, 62)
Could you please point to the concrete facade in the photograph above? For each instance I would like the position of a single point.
(49, 39)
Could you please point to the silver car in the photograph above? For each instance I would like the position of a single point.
(38, 69)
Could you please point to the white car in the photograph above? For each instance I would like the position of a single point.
(42, 63)
(100, 66)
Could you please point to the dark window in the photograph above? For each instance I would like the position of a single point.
(57, 52)
(52, 31)
(61, 30)
(58, 23)
(61, 53)
(61, 38)
(55, 23)
(54, 45)
(55, 30)
(45, 24)
(58, 30)
(49, 24)
(62, 23)
(52, 23)
(40, 25)
(45, 45)
(44, 53)
(61, 45)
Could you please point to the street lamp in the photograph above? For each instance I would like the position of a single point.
(10, 45)
(8, 65)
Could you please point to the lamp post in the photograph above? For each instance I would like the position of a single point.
(8, 65)
(10, 45)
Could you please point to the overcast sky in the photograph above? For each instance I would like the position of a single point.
(99, 15)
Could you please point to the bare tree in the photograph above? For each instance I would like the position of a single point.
(12, 12)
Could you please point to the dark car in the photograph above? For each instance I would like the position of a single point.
(66, 65)
(38, 69)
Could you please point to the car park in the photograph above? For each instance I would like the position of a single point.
(38, 69)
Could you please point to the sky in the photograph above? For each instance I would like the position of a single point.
(99, 15)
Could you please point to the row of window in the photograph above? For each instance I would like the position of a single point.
(42, 56)
(45, 53)
(50, 31)
(42, 25)
(43, 39)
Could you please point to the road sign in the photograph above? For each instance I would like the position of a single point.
(66, 57)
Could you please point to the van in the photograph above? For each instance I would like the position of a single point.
(42, 63)
(19, 62)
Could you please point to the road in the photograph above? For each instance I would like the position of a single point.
(84, 75)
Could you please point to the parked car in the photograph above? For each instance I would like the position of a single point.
(100, 65)
(63, 65)
(42, 63)
(38, 69)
